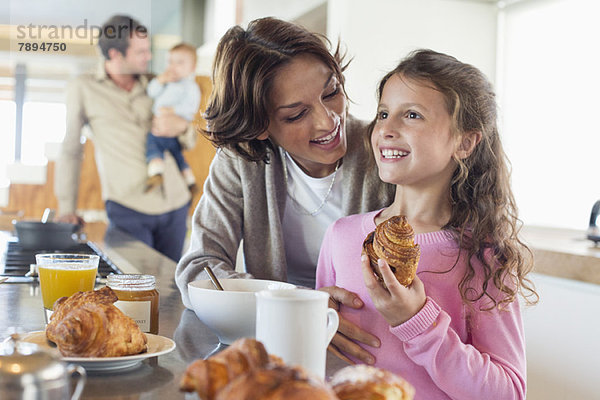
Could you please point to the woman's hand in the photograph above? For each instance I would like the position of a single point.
(348, 334)
(397, 304)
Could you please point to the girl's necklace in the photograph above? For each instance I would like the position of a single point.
(316, 210)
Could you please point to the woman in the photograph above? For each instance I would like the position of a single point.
(291, 161)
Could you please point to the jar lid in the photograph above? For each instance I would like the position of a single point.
(131, 281)
(21, 359)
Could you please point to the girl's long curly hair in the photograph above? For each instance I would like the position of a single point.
(484, 214)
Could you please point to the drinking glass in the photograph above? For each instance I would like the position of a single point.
(62, 275)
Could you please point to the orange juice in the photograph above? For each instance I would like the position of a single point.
(60, 280)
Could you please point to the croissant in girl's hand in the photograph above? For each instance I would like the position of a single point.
(393, 240)
(87, 324)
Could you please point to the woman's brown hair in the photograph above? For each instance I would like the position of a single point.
(484, 214)
(245, 65)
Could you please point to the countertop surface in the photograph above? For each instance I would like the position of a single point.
(156, 378)
(564, 253)
(558, 252)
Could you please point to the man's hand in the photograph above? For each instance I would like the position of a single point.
(168, 124)
(349, 335)
(71, 219)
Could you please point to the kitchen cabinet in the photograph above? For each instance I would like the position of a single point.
(563, 340)
(563, 330)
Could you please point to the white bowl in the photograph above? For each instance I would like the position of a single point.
(231, 313)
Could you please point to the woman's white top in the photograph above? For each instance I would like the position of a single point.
(303, 232)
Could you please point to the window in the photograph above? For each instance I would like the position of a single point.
(43, 122)
(550, 106)
(8, 112)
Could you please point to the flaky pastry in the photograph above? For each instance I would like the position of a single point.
(87, 324)
(393, 241)
(364, 382)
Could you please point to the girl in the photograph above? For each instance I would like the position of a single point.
(456, 331)
(291, 162)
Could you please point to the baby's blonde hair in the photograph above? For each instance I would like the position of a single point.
(186, 47)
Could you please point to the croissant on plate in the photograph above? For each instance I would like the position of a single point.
(87, 324)
(393, 241)
(207, 377)
(364, 382)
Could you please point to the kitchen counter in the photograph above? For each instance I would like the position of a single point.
(156, 378)
(564, 253)
(558, 252)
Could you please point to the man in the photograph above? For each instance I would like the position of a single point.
(114, 104)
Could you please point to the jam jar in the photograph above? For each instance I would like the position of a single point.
(138, 299)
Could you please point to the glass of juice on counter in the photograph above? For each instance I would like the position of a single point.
(62, 275)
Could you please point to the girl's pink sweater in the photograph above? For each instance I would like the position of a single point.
(448, 350)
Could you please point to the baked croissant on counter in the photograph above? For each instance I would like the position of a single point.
(208, 377)
(87, 324)
(278, 382)
(244, 371)
(393, 241)
(363, 382)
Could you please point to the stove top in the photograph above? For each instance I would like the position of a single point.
(17, 260)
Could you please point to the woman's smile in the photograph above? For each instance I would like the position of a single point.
(330, 140)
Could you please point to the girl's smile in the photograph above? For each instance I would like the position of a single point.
(389, 154)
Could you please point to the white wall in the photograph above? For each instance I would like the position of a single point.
(287, 10)
(221, 15)
(378, 34)
(550, 103)
(542, 56)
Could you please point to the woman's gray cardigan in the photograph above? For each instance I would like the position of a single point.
(246, 200)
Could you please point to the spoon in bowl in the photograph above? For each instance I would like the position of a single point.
(213, 278)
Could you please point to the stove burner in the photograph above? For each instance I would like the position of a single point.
(17, 259)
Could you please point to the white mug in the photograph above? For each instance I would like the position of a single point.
(297, 326)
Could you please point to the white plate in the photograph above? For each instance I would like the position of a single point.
(157, 345)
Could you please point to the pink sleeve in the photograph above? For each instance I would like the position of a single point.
(492, 366)
(325, 271)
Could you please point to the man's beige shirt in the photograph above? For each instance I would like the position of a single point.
(119, 122)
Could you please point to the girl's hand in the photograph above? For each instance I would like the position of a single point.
(397, 304)
(349, 335)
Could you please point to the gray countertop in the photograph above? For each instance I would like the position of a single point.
(156, 378)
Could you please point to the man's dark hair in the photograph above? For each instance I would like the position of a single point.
(116, 33)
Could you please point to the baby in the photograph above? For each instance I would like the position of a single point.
(175, 90)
